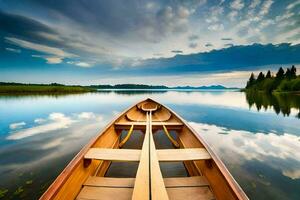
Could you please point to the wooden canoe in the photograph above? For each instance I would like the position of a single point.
(86, 175)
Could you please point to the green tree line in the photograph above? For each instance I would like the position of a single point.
(282, 81)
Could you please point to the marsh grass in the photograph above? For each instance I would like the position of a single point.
(42, 89)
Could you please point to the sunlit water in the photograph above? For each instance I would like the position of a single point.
(39, 135)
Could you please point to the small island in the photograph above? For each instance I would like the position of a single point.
(283, 81)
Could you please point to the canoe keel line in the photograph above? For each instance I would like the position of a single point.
(84, 177)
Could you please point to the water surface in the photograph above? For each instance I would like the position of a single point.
(256, 136)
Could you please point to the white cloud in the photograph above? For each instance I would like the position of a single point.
(50, 59)
(293, 174)
(293, 5)
(266, 6)
(55, 55)
(232, 15)
(13, 50)
(39, 120)
(285, 16)
(17, 125)
(215, 14)
(254, 4)
(80, 64)
(237, 4)
(216, 27)
(83, 64)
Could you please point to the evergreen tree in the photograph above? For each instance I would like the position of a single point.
(268, 74)
(280, 73)
(293, 72)
(251, 80)
(260, 77)
(288, 74)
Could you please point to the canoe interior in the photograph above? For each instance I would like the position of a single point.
(209, 174)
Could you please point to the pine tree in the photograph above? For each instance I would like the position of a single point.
(251, 80)
(260, 77)
(268, 74)
(293, 72)
(280, 73)
(288, 74)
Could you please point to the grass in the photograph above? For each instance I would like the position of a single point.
(43, 89)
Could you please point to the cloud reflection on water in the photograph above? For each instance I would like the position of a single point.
(275, 150)
(55, 121)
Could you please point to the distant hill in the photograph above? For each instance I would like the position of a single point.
(28, 87)
(211, 87)
(141, 86)
(129, 86)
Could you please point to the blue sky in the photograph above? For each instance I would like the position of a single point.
(172, 42)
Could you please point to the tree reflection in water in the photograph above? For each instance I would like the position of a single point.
(281, 103)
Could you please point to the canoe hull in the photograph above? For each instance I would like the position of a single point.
(69, 183)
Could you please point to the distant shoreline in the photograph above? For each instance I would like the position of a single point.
(55, 88)
(42, 89)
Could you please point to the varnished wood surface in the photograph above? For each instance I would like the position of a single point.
(197, 162)
(190, 193)
(182, 154)
(158, 189)
(104, 193)
(141, 186)
(193, 181)
(109, 182)
(113, 154)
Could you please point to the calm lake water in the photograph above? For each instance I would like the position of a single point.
(257, 136)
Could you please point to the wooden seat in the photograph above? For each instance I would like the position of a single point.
(190, 193)
(182, 154)
(193, 181)
(195, 187)
(155, 125)
(109, 182)
(113, 154)
(104, 193)
(163, 155)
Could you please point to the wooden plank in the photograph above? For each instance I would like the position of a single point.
(190, 193)
(141, 186)
(193, 181)
(153, 123)
(158, 189)
(113, 154)
(182, 154)
(104, 193)
(109, 182)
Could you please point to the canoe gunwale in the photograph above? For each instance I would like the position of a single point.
(53, 189)
(223, 169)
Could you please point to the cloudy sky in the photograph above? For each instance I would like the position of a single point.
(171, 42)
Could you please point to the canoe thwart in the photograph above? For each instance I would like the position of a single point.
(192, 181)
(142, 125)
(113, 154)
(187, 154)
(133, 155)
